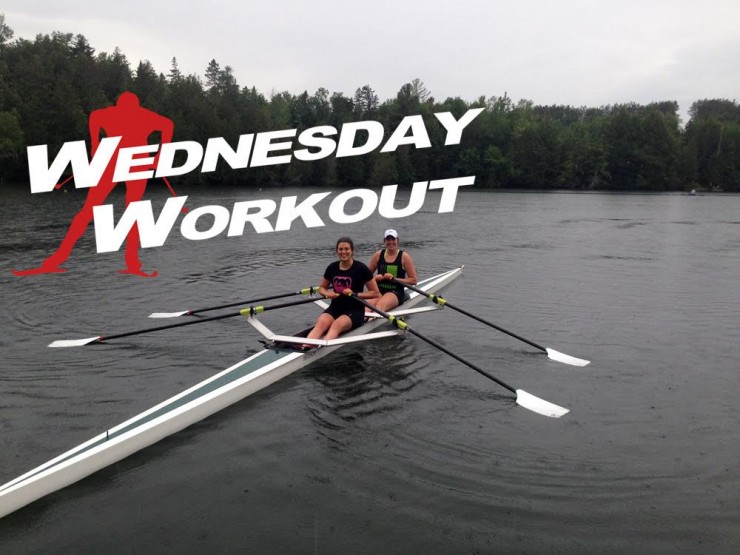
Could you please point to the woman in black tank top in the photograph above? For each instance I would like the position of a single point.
(395, 268)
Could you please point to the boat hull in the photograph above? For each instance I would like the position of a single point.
(177, 413)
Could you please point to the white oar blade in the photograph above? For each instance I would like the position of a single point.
(540, 406)
(74, 342)
(566, 359)
(168, 314)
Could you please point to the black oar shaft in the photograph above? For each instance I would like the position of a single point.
(443, 302)
(307, 291)
(244, 312)
(461, 359)
(400, 324)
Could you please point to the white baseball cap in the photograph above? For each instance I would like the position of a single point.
(390, 233)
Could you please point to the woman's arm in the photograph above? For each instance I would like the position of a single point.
(324, 290)
(372, 290)
(374, 259)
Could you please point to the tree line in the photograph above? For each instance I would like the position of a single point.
(49, 86)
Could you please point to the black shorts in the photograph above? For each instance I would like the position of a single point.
(357, 315)
(400, 295)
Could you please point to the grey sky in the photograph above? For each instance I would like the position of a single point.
(576, 52)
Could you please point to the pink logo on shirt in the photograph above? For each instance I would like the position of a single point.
(340, 283)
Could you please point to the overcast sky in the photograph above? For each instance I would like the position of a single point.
(574, 52)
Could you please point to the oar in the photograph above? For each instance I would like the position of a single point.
(250, 311)
(307, 291)
(524, 399)
(551, 353)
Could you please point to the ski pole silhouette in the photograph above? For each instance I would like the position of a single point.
(134, 124)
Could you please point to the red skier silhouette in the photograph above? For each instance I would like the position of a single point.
(134, 124)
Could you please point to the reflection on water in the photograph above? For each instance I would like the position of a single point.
(392, 443)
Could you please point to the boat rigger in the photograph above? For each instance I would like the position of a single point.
(279, 359)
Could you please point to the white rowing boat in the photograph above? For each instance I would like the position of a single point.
(200, 401)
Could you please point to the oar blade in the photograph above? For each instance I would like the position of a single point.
(168, 314)
(74, 342)
(566, 359)
(540, 406)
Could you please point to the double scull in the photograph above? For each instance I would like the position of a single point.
(276, 361)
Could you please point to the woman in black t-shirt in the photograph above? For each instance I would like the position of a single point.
(344, 313)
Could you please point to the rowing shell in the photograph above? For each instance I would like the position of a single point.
(180, 411)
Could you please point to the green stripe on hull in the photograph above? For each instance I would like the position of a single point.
(174, 414)
(246, 367)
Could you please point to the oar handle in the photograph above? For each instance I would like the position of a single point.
(443, 302)
(400, 324)
(249, 311)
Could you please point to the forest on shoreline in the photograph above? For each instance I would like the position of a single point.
(50, 85)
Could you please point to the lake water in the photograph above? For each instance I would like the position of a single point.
(393, 447)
